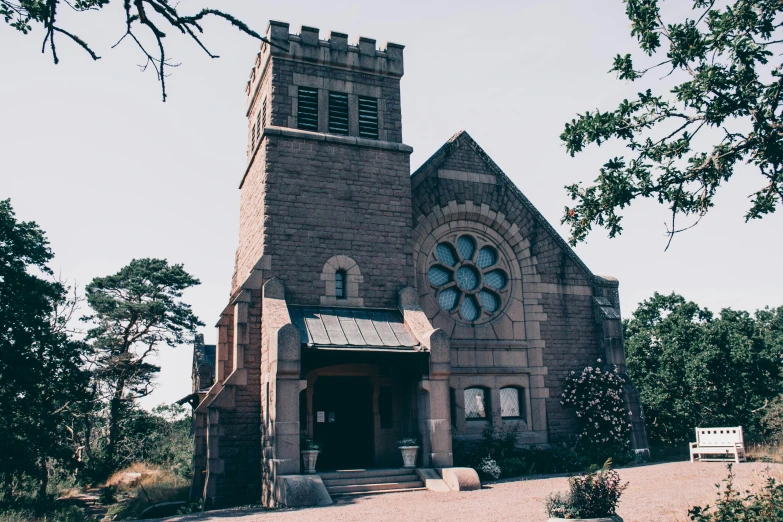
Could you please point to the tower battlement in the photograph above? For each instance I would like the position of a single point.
(335, 51)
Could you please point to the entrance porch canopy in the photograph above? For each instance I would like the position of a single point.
(353, 329)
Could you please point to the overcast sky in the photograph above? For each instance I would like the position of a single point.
(89, 152)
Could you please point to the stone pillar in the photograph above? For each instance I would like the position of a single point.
(435, 412)
(439, 410)
(283, 347)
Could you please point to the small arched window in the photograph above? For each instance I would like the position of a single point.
(339, 284)
(476, 403)
(511, 403)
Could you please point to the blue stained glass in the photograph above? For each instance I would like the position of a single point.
(466, 247)
(448, 298)
(486, 257)
(467, 278)
(446, 254)
(469, 309)
(489, 301)
(438, 275)
(496, 279)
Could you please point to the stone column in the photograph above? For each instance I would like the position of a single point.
(284, 356)
(435, 414)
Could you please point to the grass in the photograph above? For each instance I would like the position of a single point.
(64, 514)
(141, 486)
(765, 452)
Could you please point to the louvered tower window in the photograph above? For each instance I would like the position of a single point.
(338, 113)
(368, 117)
(307, 111)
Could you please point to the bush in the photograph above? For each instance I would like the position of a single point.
(488, 468)
(596, 395)
(772, 421)
(764, 506)
(590, 496)
(62, 514)
(513, 460)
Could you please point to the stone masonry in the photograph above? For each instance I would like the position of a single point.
(500, 308)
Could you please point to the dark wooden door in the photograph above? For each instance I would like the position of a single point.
(343, 422)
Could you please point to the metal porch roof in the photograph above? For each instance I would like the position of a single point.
(352, 328)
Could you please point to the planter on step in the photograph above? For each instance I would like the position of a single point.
(409, 456)
(308, 458)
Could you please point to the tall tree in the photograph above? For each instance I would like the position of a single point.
(42, 374)
(732, 82)
(154, 17)
(135, 312)
(693, 368)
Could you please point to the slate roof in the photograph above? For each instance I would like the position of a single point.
(352, 328)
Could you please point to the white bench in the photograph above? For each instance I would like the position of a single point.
(724, 442)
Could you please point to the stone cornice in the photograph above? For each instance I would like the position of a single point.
(287, 132)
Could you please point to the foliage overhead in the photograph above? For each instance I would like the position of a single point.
(731, 90)
(156, 17)
(693, 368)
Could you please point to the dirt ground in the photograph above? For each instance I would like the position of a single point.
(656, 492)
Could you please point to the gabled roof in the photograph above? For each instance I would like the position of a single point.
(430, 168)
(352, 328)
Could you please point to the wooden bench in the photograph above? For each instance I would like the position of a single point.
(720, 444)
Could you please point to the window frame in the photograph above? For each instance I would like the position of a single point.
(520, 403)
(340, 282)
(332, 124)
(309, 91)
(368, 123)
(487, 408)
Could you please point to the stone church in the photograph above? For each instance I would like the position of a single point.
(369, 304)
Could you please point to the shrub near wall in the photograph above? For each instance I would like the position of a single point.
(596, 395)
(497, 455)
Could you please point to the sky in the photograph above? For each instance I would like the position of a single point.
(110, 173)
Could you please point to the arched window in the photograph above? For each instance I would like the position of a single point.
(341, 277)
(512, 403)
(476, 406)
(339, 284)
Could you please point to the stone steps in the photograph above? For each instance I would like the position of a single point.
(369, 482)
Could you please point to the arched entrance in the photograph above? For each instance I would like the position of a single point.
(343, 421)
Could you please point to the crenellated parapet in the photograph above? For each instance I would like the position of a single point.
(335, 51)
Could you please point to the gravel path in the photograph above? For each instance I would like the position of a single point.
(656, 492)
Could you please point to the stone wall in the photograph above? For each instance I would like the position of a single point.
(551, 308)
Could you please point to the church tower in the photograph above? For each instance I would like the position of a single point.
(327, 186)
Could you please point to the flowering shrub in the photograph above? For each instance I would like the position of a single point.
(589, 496)
(489, 468)
(597, 396)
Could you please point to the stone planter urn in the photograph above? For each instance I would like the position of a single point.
(308, 458)
(613, 518)
(409, 456)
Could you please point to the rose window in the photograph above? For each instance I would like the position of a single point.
(467, 278)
